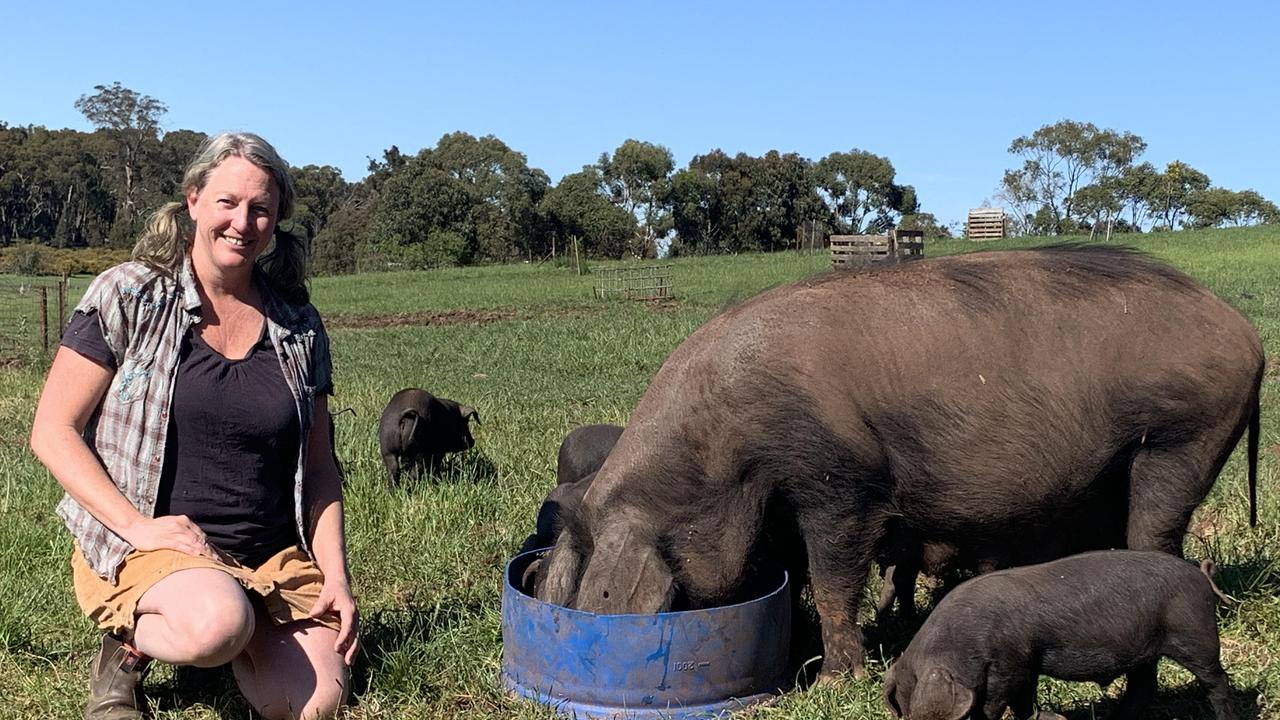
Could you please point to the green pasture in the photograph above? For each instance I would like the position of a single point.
(536, 354)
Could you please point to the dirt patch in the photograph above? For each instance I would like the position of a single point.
(440, 318)
(1274, 450)
(1207, 523)
(663, 305)
(419, 319)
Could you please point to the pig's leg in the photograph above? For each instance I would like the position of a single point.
(840, 555)
(1140, 688)
(1199, 655)
(1009, 687)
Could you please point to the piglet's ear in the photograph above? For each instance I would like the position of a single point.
(468, 413)
(939, 697)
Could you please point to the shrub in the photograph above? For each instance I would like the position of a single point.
(32, 259)
(26, 260)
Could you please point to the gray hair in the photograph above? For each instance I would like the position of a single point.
(163, 244)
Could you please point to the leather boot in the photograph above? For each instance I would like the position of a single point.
(115, 679)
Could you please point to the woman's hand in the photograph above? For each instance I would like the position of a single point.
(336, 597)
(174, 532)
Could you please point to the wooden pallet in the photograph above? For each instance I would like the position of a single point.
(985, 224)
(858, 250)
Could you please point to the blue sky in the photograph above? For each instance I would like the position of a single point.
(939, 88)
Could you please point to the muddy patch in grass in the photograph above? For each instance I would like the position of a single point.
(664, 305)
(418, 319)
(440, 318)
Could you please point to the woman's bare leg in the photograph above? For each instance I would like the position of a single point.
(198, 616)
(292, 671)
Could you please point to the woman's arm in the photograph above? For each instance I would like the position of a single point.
(72, 391)
(328, 540)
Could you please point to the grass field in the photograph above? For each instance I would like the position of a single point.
(531, 349)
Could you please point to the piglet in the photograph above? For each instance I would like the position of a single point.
(1093, 616)
(581, 454)
(584, 450)
(419, 428)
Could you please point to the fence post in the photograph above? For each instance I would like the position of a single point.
(62, 305)
(44, 318)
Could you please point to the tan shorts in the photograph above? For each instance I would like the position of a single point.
(285, 586)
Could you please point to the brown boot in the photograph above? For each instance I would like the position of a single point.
(115, 679)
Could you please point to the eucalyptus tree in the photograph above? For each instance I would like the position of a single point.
(576, 211)
(467, 199)
(706, 201)
(162, 166)
(1173, 189)
(1216, 207)
(321, 190)
(1135, 188)
(131, 121)
(51, 187)
(859, 190)
(784, 201)
(747, 204)
(1061, 158)
(637, 178)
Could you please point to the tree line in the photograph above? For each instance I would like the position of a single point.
(474, 199)
(1075, 177)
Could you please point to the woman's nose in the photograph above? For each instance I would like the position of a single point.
(240, 218)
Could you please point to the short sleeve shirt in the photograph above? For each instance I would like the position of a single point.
(144, 314)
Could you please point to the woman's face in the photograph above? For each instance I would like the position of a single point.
(235, 216)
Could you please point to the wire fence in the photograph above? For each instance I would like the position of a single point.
(32, 313)
(646, 282)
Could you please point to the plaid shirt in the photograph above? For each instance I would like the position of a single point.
(144, 317)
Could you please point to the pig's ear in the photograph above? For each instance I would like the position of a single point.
(626, 574)
(556, 581)
(468, 413)
(939, 696)
(529, 578)
(408, 426)
(891, 693)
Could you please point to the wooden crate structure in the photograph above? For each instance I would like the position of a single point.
(646, 282)
(908, 243)
(858, 250)
(985, 224)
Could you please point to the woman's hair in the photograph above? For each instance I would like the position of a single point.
(163, 244)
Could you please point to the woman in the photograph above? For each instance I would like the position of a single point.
(186, 418)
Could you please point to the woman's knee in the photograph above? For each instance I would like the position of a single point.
(208, 616)
(218, 634)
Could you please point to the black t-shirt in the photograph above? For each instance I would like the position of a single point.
(232, 444)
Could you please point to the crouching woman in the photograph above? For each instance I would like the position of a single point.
(184, 416)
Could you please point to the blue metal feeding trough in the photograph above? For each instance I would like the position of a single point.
(674, 665)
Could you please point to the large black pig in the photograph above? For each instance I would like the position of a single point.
(984, 401)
